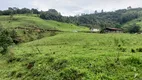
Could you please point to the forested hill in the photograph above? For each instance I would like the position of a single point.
(109, 19)
(98, 19)
(101, 20)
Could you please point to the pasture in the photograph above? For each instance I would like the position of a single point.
(33, 20)
(75, 56)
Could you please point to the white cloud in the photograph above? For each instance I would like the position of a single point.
(4, 4)
(73, 7)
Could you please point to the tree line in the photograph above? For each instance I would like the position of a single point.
(16, 10)
(94, 20)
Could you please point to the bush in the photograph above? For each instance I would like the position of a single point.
(122, 49)
(133, 51)
(60, 64)
(72, 74)
(134, 28)
(139, 49)
(5, 40)
(133, 61)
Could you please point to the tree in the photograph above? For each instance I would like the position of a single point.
(0, 12)
(34, 11)
(5, 40)
(134, 28)
(6, 12)
(96, 11)
(102, 11)
(51, 14)
(43, 15)
(25, 11)
(129, 7)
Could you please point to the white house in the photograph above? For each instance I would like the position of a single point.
(94, 30)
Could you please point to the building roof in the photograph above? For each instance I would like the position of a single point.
(113, 29)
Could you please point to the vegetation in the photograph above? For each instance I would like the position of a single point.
(133, 22)
(76, 56)
(5, 40)
(31, 21)
(28, 28)
(45, 49)
(22, 28)
(134, 28)
(99, 20)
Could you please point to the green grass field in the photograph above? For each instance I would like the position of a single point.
(31, 22)
(75, 56)
(71, 55)
(26, 21)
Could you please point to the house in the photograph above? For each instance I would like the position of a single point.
(116, 30)
(94, 30)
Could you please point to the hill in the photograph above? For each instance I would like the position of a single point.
(32, 20)
(98, 19)
(70, 56)
(101, 20)
(54, 50)
(30, 27)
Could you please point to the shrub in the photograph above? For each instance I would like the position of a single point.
(122, 49)
(72, 74)
(134, 28)
(5, 40)
(139, 49)
(59, 64)
(133, 61)
(133, 51)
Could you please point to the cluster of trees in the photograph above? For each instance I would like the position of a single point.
(51, 14)
(16, 10)
(107, 19)
(133, 28)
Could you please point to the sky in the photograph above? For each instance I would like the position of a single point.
(72, 7)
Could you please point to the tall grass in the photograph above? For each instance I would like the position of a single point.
(76, 56)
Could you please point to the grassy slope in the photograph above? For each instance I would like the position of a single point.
(135, 21)
(30, 21)
(25, 21)
(69, 56)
